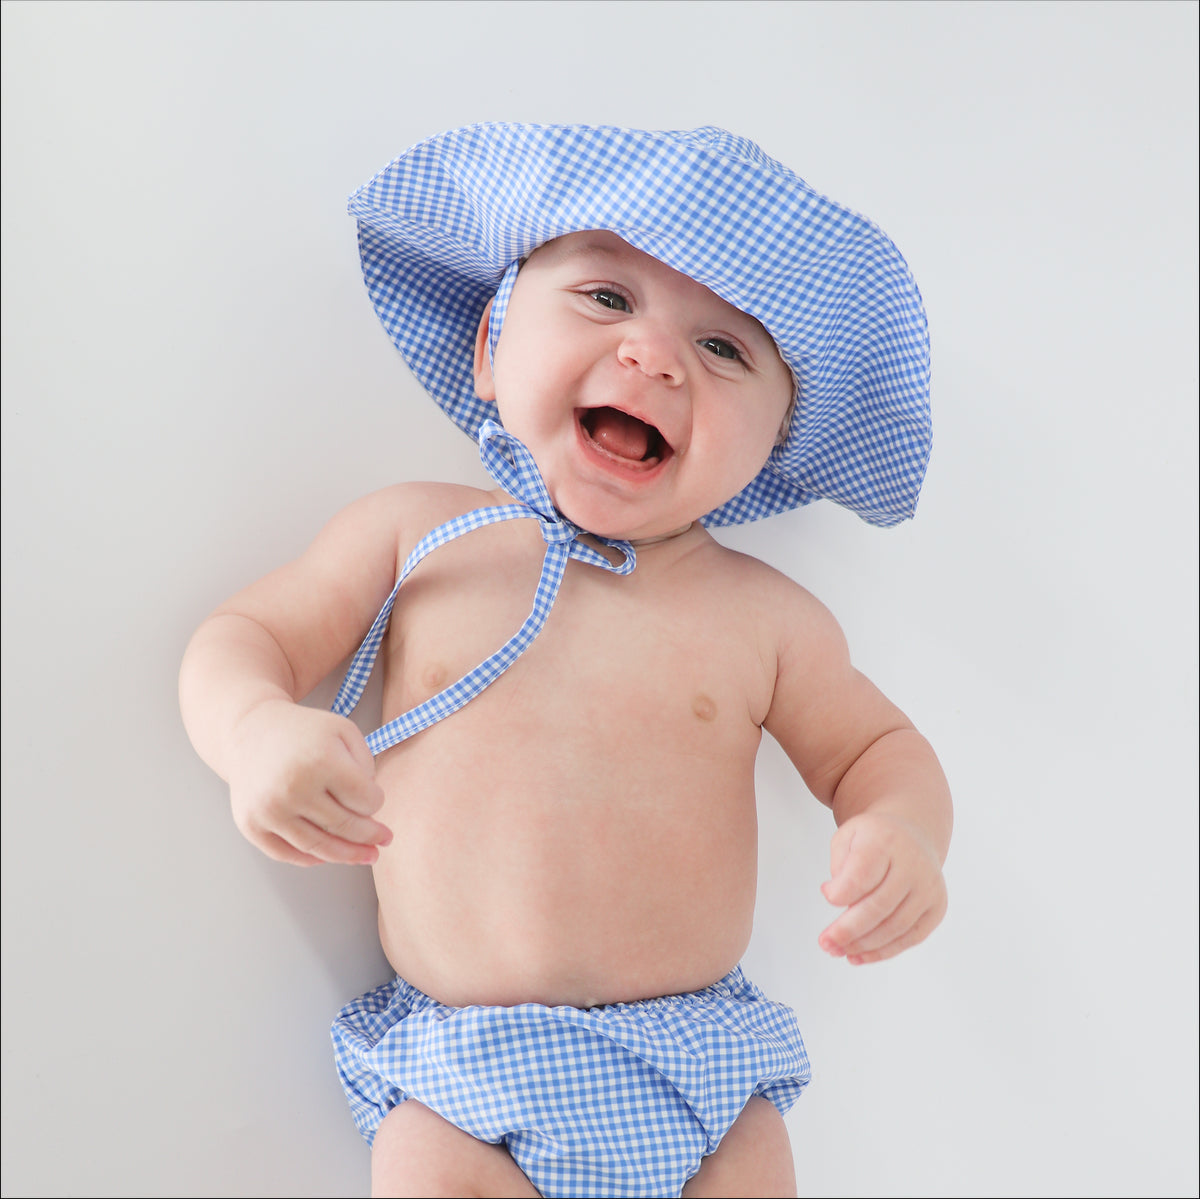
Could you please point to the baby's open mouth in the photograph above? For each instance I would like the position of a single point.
(623, 436)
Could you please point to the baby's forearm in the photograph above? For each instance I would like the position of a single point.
(894, 816)
(899, 775)
(231, 666)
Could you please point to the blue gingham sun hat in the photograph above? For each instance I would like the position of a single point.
(443, 226)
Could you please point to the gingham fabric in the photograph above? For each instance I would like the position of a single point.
(440, 226)
(611, 1101)
(513, 468)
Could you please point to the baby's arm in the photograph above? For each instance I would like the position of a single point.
(860, 755)
(301, 781)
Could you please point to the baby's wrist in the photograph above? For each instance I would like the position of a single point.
(249, 731)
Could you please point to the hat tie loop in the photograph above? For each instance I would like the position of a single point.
(512, 467)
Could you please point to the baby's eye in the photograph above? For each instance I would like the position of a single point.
(722, 348)
(610, 299)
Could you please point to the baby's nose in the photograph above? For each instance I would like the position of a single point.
(654, 352)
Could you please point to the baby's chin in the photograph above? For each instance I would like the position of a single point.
(616, 516)
(635, 532)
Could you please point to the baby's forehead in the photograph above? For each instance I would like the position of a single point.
(586, 243)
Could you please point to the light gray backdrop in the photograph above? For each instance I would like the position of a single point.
(194, 380)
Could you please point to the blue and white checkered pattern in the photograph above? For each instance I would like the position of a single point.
(513, 468)
(441, 225)
(612, 1101)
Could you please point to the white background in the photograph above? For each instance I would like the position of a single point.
(194, 380)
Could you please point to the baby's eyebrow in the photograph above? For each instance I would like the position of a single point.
(563, 250)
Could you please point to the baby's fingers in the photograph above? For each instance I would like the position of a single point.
(333, 815)
(324, 844)
(282, 851)
(881, 907)
(913, 935)
(352, 796)
(347, 808)
(312, 837)
(323, 826)
(354, 782)
(857, 868)
(869, 924)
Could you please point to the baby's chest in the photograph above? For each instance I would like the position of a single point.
(614, 654)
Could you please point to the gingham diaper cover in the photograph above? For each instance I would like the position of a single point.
(612, 1101)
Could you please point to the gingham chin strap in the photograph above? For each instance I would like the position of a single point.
(513, 468)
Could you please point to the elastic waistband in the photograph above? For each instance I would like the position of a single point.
(732, 985)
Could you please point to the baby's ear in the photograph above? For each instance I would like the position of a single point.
(485, 384)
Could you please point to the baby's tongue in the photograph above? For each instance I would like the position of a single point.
(619, 433)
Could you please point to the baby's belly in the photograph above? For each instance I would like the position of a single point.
(563, 876)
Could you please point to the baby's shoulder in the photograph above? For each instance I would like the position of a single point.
(780, 607)
(411, 509)
(752, 575)
(379, 529)
(439, 499)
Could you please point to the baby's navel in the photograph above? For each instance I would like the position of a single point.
(704, 708)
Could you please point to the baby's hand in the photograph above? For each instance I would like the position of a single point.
(887, 876)
(302, 786)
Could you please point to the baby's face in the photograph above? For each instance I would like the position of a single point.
(645, 400)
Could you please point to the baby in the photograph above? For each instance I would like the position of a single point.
(648, 333)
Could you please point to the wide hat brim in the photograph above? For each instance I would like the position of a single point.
(439, 226)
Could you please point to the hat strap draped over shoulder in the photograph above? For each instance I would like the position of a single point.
(512, 467)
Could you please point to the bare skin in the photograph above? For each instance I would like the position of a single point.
(584, 831)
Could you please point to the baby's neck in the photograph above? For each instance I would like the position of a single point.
(644, 541)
